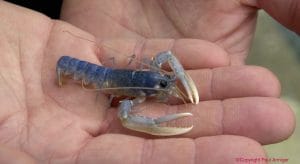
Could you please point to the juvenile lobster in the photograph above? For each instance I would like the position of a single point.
(138, 84)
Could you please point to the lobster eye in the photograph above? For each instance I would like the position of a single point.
(163, 83)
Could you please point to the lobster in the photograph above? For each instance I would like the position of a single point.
(137, 84)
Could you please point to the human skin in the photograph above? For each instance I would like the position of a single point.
(228, 24)
(40, 122)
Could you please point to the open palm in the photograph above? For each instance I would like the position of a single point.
(228, 24)
(71, 124)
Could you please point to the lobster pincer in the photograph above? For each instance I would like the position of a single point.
(147, 124)
(151, 125)
(136, 84)
(179, 72)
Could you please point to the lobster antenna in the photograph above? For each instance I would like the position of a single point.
(92, 41)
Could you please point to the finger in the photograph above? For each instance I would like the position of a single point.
(235, 81)
(286, 12)
(254, 117)
(113, 148)
(267, 120)
(192, 53)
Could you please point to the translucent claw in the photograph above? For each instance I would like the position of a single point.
(158, 131)
(190, 88)
(171, 117)
(185, 79)
(150, 125)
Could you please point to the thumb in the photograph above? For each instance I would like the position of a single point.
(287, 12)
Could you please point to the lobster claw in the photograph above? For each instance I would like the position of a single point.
(189, 87)
(150, 125)
(180, 73)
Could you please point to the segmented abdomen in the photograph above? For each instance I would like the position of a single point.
(82, 70)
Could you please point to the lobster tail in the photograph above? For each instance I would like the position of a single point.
(80, 70)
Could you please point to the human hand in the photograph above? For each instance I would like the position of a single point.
(228, 24)
(68, 125)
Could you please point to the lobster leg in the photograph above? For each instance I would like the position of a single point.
(179, 72)
(147, 124)
(59, 76)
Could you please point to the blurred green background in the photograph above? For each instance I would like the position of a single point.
(278, 49)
